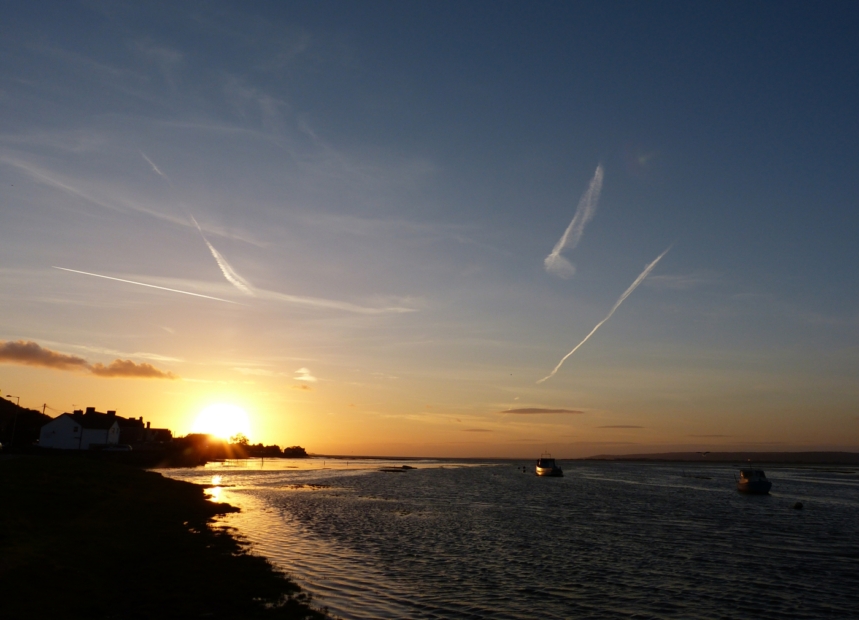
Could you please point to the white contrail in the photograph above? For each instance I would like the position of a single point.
(626, 294)
(155, 168)
(163, 288)
(554, 262)
(229, 273)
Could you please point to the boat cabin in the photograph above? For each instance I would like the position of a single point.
(546, 462)
(752, 475)
(753, 481)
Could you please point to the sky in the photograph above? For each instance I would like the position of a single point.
(379, 227)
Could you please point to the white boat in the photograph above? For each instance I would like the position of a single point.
(753, 481)
(546, 466)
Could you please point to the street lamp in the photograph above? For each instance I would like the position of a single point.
(17, 402)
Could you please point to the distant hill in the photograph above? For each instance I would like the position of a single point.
(19, 426)
(809, 458)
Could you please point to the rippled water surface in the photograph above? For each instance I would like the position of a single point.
(485, 540)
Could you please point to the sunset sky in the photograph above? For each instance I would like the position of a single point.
(375, 226)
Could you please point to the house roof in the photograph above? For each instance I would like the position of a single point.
(93, 419)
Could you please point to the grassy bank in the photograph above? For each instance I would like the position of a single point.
(87, 539)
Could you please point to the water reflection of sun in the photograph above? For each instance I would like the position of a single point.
(222, 420)
(214, 492)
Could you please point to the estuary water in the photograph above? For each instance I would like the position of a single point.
(609, 540)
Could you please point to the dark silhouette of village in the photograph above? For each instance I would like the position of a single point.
(106, 435)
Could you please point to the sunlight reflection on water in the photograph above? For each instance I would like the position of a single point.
(454, 540)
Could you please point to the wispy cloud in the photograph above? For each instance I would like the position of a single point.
(626, 294)
(678, 282)
(620, 426)
(329, 304)
(306, 388)
(533, 410)
(383, 375)
(554, 262)
(29, 353)
(157, 357)
(303, 374)
(103, 196)
(229, 273)
(163, 288)
(477, 430)
(257, 372)
(166, 59)
(55, 181)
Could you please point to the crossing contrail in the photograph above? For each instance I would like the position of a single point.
(246, 287)
(163, 288)
(229, 273)
(626, 294)
(554, 262)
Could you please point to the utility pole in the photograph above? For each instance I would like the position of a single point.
(15, 419)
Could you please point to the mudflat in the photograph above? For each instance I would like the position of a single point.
(83, 538)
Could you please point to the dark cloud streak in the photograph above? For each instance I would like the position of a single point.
(535, 410)
(128, 369)
(29, 353)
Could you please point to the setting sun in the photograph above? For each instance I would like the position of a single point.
(222, 420)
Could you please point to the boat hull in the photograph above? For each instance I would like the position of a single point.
(755, 487)
(552, 472)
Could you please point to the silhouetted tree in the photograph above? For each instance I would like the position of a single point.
(240, 439)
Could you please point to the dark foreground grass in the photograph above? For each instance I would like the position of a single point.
(88, 539)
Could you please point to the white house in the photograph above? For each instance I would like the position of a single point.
(79, 430)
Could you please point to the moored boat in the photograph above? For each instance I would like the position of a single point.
(546, 466)
(753, 481)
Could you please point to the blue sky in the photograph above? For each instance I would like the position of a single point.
(385, 181)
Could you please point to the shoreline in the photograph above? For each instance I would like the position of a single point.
(85, 538)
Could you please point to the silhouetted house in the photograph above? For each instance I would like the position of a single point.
(158, 435)
(80, 431)
(131, 430)
(134, 432)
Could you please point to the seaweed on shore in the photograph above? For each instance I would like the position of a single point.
(81, 538)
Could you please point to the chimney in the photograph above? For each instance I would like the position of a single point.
(111, 414)
(78, 412)
(147, 425)
(90, 409)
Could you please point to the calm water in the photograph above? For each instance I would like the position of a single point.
(452, 540)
